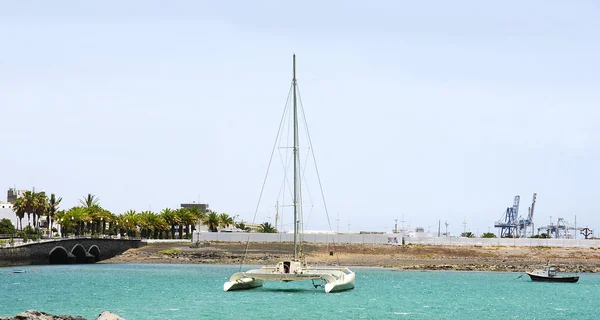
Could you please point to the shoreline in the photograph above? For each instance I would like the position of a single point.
(409, 257)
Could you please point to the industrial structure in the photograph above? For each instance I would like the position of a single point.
(527, 222)
(561, 229)
(511, 224)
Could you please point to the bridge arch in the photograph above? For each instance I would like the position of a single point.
(79, 252)
(95, 251)
(59, 255)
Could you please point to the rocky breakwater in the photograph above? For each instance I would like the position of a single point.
(37, 315)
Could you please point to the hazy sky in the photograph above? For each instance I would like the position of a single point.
(427, 110)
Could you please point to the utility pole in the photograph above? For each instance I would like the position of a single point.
(402, 224)
(439, 226)
(396, 226)
(338, 222)
(465, 225)
(446, 223)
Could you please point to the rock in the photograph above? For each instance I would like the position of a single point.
(107, 315)
(37, 315)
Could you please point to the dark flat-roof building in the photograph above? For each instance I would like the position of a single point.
(201, 206)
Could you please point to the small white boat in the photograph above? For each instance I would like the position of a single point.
(332, 279)
(18, 271)
(548, 274)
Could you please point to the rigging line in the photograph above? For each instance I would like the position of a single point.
(316, 168)
(285, 175)
(262, 189)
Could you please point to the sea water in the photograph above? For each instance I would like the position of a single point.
(152, 291)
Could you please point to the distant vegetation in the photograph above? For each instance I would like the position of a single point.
(488, 235)
(541, 236)
(89, 218)
(6, 227)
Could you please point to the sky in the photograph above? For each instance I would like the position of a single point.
(421, 111)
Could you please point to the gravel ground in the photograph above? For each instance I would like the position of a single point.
(417, 257)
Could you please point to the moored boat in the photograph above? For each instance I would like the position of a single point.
(332, 279)
(548, 274)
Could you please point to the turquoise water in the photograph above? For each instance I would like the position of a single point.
(196, 292)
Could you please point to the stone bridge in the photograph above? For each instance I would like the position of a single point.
(63, 251)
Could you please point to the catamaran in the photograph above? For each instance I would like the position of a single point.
(332, 279)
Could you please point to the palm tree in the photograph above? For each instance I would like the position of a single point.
(266, 227)
(76, 217)
(200, 215)
(225, 220)
(29, 205)
(171, 218)
(89, 201)
(128, 220)
(155, 224)
(40, 209)
(53, 203)
(242, 226)
(20, 210)
(212, 221)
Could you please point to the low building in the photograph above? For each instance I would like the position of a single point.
(6, 212)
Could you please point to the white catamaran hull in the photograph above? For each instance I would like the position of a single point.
(336, 279)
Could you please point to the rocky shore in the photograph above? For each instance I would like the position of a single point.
(410, 257)
(38, 315)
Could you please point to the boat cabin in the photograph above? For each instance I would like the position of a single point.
(550, 271)
(289, 267)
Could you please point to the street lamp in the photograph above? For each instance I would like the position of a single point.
(102, 226)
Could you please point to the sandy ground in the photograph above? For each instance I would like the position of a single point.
(417, 257)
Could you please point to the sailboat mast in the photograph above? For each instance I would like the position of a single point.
(296, 179)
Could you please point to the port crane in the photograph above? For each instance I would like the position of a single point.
(509, 224)
(527, 222)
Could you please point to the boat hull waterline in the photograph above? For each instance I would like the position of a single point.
(553, 279)
(337, 279)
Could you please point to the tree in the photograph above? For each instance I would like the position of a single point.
(6, 227)
(75, 218)
(128, 221)
(89, 201)
(171, 218)
(29, 205)
(242, 226)
(53, 204)
(34, 203)
(488, 235)
(41, 208)
(225, 220)
(198, 214)
(266, 227)
(212, 221)
(467, 235)
(20, 211)
(541, 236)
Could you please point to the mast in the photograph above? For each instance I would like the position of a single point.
(296, 160)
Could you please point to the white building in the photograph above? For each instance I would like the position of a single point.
(6, 212)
